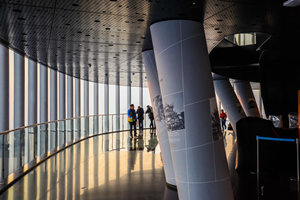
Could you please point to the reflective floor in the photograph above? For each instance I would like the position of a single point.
(104, 167)
(114, 166)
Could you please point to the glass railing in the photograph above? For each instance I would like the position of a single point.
(24, 148)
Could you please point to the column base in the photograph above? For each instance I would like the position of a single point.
(171, 186)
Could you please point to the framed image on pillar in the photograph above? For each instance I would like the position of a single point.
(158, 105)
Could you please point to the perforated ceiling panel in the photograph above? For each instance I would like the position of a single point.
(92, 39)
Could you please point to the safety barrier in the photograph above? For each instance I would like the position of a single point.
(24, 148)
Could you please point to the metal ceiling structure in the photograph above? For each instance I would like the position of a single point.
(93, 38)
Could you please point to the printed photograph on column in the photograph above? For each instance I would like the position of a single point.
(174, 112)
(158, 105)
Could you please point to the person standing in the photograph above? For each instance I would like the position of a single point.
(140, 112)
(223, 118)
(150, 115)
(132, 119)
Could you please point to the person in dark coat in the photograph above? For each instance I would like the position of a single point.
(140, 113)
(150, 115)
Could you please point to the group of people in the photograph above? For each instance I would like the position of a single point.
(135, 117)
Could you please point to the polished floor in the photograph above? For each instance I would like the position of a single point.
(115, 167)
(104, 167)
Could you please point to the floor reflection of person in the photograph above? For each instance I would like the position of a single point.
(140, 144)
(152, 143)
(132, 154)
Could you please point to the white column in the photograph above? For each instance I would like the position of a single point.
(106, 104)
(77, 108)
(42, 108)
(61, 96)
(191, 112)
(77, 97)
(70, 111)
(86, 106)
(86, 98)
(4, 104)
(96, 108)
(233, 109)
(18, 112)
(4, 89)
(96, 98)
(118, 102)
(246, 97)
(141, 103)
(161, 126)
(52, 95)
(19, 82)
(43, 92)
(52, 109)
(128, 95)
(32, 92)
(31, 108)
(229, 99)
(61, 99)
(129, 91)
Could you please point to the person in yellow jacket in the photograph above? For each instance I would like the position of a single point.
(132, 120)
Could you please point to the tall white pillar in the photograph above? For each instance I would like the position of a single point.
(19, 82)
(18, 112)
(52, 95)
(191, 112)
(32, 92)
(106, 104)
(61, 96)
(161, 126)
(86, 98)
(86, 106)
(141, 93)
(96, 98)
(233, 109)
(4, 89)
(118, 102)
(129, 91)
(30, 139)
(43, 92)
(77, 108)
(229, 99)
(70, 105)
(42, 108)
(61, 99)
(69, 109)
(96, 108)
(128, 95)
(77, 97)
(52, 109)
(246, 97)
(4, 105)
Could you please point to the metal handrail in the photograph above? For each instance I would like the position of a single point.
(45, 149)
(54, 121)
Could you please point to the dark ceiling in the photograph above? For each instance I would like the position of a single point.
(93, 38)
